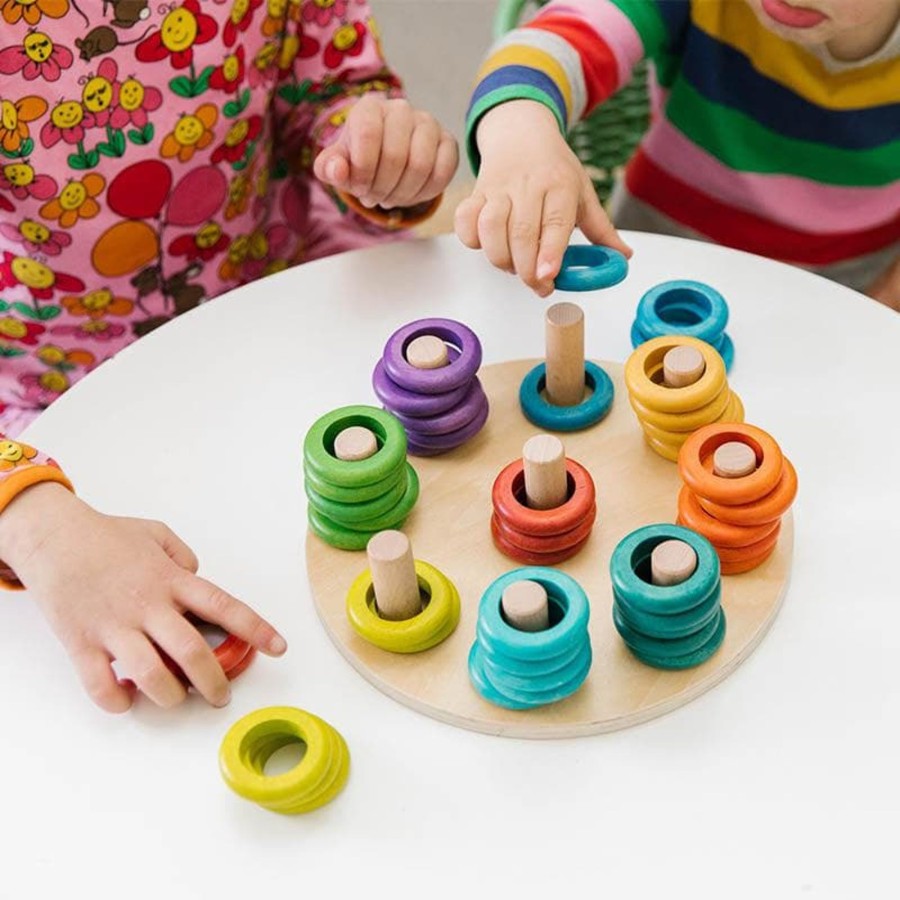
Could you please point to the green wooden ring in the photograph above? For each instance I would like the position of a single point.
(338, 494)
(354, 513)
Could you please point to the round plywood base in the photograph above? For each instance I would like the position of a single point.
(450, 529)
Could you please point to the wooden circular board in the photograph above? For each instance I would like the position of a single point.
(450, 529)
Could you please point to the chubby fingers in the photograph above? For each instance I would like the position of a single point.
(94, 668)
(144, 666)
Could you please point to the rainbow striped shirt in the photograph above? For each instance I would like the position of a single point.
(756, 143)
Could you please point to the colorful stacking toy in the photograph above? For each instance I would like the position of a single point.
(567, 392)
(737, 486)
(541, 659)
(667, 596)
(398, 603)
(688, 308)
(356, 476)
(544, 505)
(676, 385)
(316, 780)
(427, 377)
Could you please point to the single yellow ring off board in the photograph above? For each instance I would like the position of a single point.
(435, 623)
(316, 780)
(643, 374)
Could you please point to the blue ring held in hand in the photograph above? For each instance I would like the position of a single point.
(543, 413)
(689, 308)
(586, 267)
(521, 670)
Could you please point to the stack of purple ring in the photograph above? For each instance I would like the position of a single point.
(439, 408)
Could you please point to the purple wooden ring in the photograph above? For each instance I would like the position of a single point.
(432, 444)
(456, 418)
(409, 403)
(433, 381)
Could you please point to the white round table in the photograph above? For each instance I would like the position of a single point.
(780, 782)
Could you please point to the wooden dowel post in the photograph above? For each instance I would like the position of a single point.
(565, 354)
(394, 580)
(546, 478)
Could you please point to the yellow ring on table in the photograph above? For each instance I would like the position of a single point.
(316, 780)
(646, 363)
(435, 623)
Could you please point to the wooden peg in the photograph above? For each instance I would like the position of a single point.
(734, 460)
(683, 366)
(427, 352)
(394, 580)
(355, 443)
(565, 354)
(672, 562)
(546, 479)
(525, 606)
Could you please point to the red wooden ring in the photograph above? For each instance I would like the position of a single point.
(532, 543)
(508, 496)
(768, 509)
(532, 559)
(730, 491)
(234, 655)
(723, 534)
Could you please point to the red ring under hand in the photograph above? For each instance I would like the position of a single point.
(698, 475)
(510, 485)
(234, 655)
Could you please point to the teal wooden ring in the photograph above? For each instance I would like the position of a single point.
(337, 494)
(676, 625)
(318, 447)
(588, 267)
(566, 418)
(349, 513)
(665, 648)
(633, 554)
(691, 659)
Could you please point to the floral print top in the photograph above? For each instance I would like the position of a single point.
(154, 156)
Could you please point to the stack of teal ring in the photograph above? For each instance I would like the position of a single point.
(522, 670)
(539, 410)
(350, 502)
(673, 627)
(440, 408)
(684, 307)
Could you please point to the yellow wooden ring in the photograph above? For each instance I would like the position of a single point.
(434, 624)
(643, 374)
(670, 439)
(666, 451)
(316, 780)
(685, 421)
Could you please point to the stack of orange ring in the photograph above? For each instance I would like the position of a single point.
(669, 415)
(741, 517)
(542, 537)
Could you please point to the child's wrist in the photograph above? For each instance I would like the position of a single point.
(511, 119)
(29, 519)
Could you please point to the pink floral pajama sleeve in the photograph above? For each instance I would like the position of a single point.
(154, 156)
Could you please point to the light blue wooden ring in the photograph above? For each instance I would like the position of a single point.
(566, 418)
(587, 267)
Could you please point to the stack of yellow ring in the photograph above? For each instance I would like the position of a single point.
(670, 415)
(316, 780)
(435, 623)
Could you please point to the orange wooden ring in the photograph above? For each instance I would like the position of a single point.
(730, 491)
(745, 565)
(767, 509)
(508, 495)
(532, 543)
(532, 559)
(723, 534)
(751, 551)
(396, 218)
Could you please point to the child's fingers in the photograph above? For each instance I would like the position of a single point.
(465, 220)
(364, 137)
(423, 149)
(100, 682)
(332, 166)
(186, 646)
(595, 223)
(176, 549)
(557, 224)
(143, 665)
(396, 142)
(444, 168)
(216, 606)
(493, 231)
(524, 235)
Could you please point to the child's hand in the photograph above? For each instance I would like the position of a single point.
(389, 154)
(886, 288)
(531, 193)
(111, 588)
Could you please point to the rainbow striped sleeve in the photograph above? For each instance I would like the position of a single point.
(573, 55)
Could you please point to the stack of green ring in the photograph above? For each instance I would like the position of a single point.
(674, 626)
(350, 502)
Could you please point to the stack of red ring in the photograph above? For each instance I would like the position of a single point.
(542, 537)
(741, 517)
